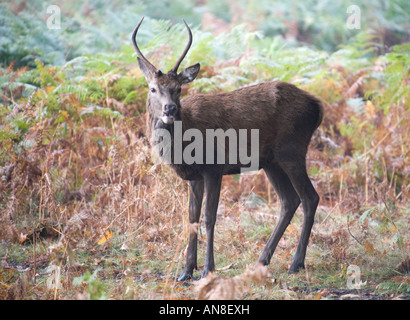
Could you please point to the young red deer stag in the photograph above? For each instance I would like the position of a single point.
(285, 118)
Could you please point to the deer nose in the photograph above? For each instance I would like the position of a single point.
(170, 108)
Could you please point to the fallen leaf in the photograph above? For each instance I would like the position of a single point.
(392, 229)
(404, 266)
(369, 247)
(108, 235)
(124, 246)
(22, 237)
(318, 296)
(49, 89)
(322, 293)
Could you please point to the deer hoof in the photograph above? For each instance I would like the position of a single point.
(296, 268)
(184, 277)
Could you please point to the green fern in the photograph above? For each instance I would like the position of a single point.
(396, 77)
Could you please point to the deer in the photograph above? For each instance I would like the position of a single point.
(285, 117)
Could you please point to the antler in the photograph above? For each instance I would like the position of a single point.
(176, 66)
(140, 55)
(133, 38)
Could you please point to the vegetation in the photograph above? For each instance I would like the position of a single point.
(85, 212)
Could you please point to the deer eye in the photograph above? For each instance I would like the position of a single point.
(153, 90)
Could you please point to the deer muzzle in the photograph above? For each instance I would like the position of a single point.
(168, 113)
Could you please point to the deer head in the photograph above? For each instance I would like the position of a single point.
(165, 88)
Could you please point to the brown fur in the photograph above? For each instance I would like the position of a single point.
(285, 117)
(281, 111)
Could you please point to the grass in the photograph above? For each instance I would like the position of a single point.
(86, 213)
(144, 266)
(143, 252)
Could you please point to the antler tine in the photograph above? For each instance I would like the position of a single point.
(133, 38)
(176, 66)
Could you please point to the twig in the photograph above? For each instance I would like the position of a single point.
(331, 211)
(351, 233)
(177, 252)
(308, 281)
(34, 254)
(390, 213)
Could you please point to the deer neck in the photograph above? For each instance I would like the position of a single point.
(183, 170)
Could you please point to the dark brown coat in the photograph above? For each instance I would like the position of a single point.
(285, 117)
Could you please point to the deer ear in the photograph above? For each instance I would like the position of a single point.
(188, 74)
(146, 69)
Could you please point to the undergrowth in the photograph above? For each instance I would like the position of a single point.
(86, 214)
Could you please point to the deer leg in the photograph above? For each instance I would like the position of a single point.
(289, 200)
(195, 203)
(297, 174)
(212, 191)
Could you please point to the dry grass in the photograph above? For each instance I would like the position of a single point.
(215, 287)
(93, 199)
